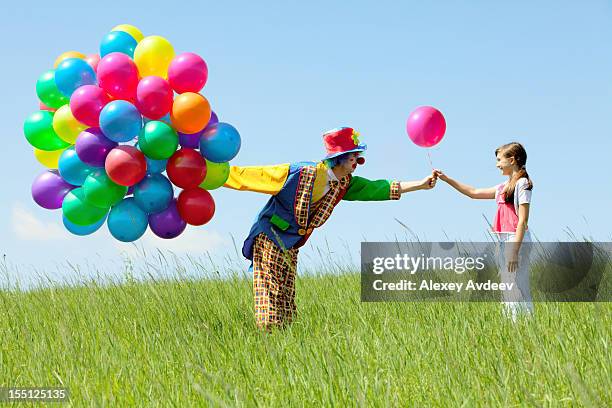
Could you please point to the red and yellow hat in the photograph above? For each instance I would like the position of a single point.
(342, 140)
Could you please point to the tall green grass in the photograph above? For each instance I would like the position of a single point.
(176, 340)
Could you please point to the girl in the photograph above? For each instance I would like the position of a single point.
(513, 198)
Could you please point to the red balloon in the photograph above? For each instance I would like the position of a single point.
(154, 97)
(186, 168)
(118, 76)
(126, 165)
(196, 206)
(42, 106)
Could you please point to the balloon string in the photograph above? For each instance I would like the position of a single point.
(429, 158)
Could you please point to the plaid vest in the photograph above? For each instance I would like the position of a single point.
(287, 218)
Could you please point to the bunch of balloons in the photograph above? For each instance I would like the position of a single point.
(120, 130)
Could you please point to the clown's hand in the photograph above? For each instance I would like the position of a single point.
(429, 182)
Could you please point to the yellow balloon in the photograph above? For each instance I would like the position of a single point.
(66, 126)
(68, 54)
(48, 159)
(131, 30)
(153, 55)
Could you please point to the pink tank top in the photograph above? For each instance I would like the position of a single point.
(506, 219)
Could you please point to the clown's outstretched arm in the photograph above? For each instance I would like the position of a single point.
(362, 189)
(262, 179)
(427, 183)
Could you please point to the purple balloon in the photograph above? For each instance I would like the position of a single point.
(193, 141)
(213, 119)
(49, 189)
(92, 147)
(168, 223)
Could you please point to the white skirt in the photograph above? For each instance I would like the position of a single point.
(518, 299)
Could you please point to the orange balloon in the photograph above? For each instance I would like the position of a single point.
(190, 113)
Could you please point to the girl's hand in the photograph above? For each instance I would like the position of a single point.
(440, 174)
(513, 261)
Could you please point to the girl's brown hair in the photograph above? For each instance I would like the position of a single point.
(517, 151)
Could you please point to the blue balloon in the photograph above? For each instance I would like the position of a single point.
(156, 166)
(120, 121)
(220, 143)
(73, 73)
(82, 229)
(118, 41)
(166, 119)
(72, 169)
(154, 193)
(126, 221)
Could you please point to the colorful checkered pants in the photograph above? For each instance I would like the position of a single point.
(273, 283)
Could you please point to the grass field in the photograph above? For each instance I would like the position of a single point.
(186, 342)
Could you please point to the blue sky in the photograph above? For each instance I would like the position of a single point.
(284, 72)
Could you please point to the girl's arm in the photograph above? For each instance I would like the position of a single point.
(523, 217)
(472, 192)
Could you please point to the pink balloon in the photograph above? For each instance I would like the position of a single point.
(426, 126)
(42, 106)
(187, 73)
(154, 97)
(93, 60)
(118, 76)
(87, 102)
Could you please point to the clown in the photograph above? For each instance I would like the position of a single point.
(304, 195)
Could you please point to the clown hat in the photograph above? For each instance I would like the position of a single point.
(340, 141)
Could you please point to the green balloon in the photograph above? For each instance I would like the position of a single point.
(47, 91)
(157, 140)
(38, 129)
(101, 191)
(79, 211)
(216, 175)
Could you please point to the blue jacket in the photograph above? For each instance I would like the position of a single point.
(277, 219)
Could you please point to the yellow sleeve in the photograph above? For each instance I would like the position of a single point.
(262, 179)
